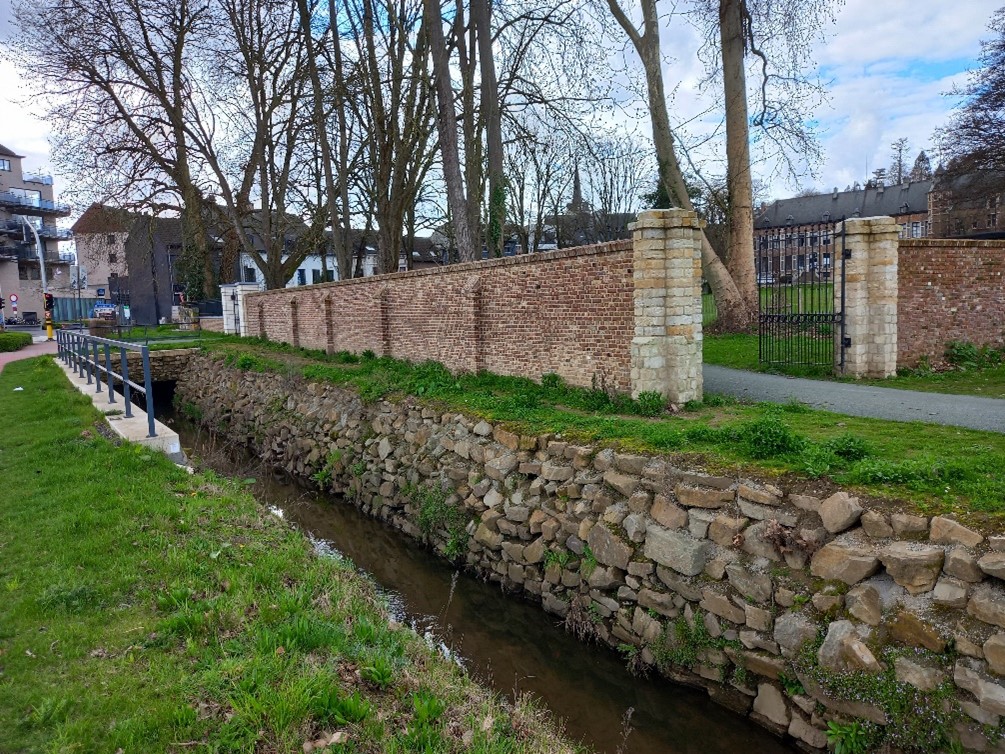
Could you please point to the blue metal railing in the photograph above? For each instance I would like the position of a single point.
(31, 202)
(83, 352)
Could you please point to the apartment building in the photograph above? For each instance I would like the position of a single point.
(27, 199)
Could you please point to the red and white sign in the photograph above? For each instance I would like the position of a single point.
(13, 302)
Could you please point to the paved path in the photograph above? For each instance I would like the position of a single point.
(860, 400)
(35, 349)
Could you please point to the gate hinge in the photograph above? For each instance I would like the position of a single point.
(846, 342)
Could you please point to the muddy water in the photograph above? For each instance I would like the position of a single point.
(504, 641)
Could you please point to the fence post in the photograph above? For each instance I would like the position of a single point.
(871, 290)
(666, 350)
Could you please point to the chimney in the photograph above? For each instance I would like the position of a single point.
(835, 193)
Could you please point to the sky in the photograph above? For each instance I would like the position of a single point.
(888, 64)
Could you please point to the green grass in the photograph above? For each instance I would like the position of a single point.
(147, 610)
(979, 378)
(931, 467)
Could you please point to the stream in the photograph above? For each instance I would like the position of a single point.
(505, 642)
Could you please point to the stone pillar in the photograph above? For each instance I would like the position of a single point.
(666, 349)
(870, 306)
(235, 310)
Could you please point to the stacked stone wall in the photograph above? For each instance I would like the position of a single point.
(570, 312)
(949, 290)
(795, 609)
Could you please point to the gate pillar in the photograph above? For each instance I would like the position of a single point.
(666, 349)
(870, 306)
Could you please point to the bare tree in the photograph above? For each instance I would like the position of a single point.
(898, 171)
(734, 312)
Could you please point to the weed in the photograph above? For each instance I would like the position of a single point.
(651, 403)
(560, 558)
(436, 512)
(589, 562)
(380, 672)
(793, 686)
(330, 707)
(847, 738)
(769, 437)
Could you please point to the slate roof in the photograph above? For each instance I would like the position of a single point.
(867, 202)
(5, 152)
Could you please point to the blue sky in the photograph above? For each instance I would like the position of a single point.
(889, 63)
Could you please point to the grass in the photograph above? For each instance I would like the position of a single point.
(930, 468)
(962, 378)
(148, 610)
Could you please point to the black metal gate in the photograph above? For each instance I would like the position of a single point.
(800, 286)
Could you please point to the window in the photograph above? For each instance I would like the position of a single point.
(249, 275)
(916, 230)
(329, 276)
(992, 219)
(315, 276)
(109, 239)
(301, 277)
(112, 257)
(5, 165)
(903, 230)
(958, 226)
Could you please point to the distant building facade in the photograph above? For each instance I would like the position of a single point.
(28, 198)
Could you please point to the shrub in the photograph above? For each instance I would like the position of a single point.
(769, 437)
(651, 403)
(14, 341)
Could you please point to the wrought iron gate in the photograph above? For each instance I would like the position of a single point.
(801, 293)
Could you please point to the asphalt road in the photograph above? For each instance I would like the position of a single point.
(860, 400)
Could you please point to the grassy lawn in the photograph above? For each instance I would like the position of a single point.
(741, 351)
(148, 610)
(920, 466)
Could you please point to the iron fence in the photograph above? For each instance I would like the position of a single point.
(800, 282)
(84, 353)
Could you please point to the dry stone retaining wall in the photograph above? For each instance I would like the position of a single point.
(778, 603)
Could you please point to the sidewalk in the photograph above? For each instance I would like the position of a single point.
(859, 400)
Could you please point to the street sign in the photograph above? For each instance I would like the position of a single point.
(101, 292)
(13, 298)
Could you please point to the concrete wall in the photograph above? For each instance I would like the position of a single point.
(949, 290)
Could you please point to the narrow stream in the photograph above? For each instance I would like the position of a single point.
(505, 642)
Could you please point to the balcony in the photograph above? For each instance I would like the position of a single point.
(30, 205)
(45, 180)
(26, 253)
(48, 232)
(52, 233)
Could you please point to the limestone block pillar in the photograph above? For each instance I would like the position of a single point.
(232, 297)
(871, 289)
(666, 349)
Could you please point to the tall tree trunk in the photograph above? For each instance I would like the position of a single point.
(320, 127)
(482, 19)
(734, 313)
(740, 255)
(445, 123)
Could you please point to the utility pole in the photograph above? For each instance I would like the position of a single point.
(41, 262)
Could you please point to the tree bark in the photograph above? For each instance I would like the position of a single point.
(734, 313)
(739, 186)
(482, 19)
(445, 118)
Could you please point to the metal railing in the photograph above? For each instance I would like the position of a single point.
(9, 199)
(45, 180)
(83, 352)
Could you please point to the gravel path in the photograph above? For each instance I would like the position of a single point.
(860, 400)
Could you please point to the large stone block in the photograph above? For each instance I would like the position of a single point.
(840, 511)
(608, 548)
(677, 550)
(755, 586)
(915, 567)
(844, 562)
(792, 631)
(945, 531)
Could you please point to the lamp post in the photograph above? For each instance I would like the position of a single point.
(41, 262)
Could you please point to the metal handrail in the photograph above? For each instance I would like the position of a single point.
(81, 351)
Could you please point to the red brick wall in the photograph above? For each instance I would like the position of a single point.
(570, 312)
(949, 290)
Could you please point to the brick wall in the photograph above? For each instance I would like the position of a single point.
(949, 290)
(570, 312)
